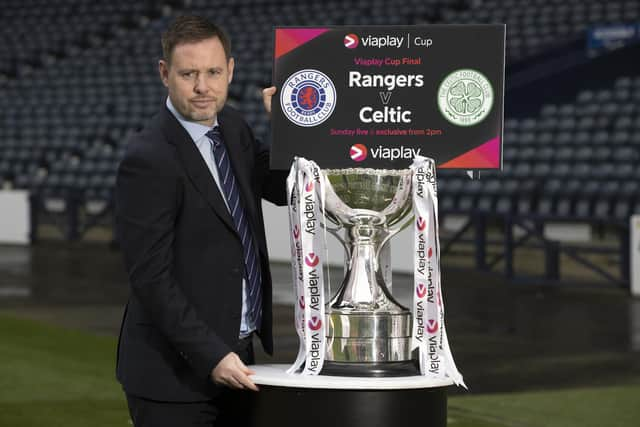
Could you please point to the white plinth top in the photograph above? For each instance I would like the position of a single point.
(276, 375)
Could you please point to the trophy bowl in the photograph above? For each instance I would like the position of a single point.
(369, 332)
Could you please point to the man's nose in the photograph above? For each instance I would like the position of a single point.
(201, 85)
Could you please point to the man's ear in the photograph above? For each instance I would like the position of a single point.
(163, 69)
(230, 66)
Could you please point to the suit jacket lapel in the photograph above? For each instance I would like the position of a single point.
(195, 166)
(238, 149)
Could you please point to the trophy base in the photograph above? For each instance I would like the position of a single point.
(405, 368)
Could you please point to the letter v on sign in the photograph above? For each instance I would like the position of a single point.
(385, 97)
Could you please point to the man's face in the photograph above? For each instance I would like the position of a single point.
(198, 77)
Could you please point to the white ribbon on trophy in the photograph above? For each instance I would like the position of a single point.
(293, 197)
(306, 196)
(429, 333)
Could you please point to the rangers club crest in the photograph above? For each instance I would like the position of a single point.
(308, 98)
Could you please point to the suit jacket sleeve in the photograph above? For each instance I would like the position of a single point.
(148, 195)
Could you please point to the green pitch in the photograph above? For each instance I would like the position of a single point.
(52, 377)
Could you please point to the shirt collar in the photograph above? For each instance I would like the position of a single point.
(195, 130)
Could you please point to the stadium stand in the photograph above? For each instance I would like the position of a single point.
(77, 76)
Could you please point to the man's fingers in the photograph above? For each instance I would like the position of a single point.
(239, 381)
(269, 91)
(244, 368)
(230, 383)
(267, 94)
(246, 382)
(231, 372)
(235, 383)
(242, 376)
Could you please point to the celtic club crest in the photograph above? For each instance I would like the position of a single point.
(465, 97)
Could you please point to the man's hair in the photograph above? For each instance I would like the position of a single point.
(192, 29)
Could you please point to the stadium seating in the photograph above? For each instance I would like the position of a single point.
(76, 77)
(579, 158)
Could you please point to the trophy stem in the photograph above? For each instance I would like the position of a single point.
(363, 288)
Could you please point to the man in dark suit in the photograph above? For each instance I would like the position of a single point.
(189, 222)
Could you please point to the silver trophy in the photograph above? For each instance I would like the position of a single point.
(369, 332)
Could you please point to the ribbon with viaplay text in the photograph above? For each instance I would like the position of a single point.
(429, 333)
(305, 190)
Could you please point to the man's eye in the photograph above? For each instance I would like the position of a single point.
(215, 72)
(187, 74)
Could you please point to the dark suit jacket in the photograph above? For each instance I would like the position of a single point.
(184, 257)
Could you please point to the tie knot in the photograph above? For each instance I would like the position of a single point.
(215, 136)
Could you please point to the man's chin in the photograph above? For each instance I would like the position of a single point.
(201, 117)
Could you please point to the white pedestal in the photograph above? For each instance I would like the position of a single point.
(319, 401)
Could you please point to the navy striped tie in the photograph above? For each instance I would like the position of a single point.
(231, 191)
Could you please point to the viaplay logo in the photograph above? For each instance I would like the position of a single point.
(315, 323)
(432, 326)
(421, 290)
(421, 223)
(296, 232)
(312, 260)
(301, 302)
(358, 152)
(351, 41)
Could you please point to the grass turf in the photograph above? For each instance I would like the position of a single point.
(615, 406)
(50, 376)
